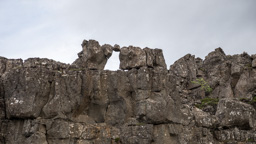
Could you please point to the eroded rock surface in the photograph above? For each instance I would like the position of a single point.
(135, 57)
(210, 101)
(93, 56)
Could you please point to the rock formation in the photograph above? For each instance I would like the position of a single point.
(195, 101)
(93, 56)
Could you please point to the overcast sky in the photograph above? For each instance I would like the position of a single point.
(55, 29)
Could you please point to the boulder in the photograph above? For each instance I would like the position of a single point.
(185, 67)
(132, 57)
(93, 55)
(135, 57)
(26, 91)
(215, 57)
(233, 113)
(116, 48)
(254, 63)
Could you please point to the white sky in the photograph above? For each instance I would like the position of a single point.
(55, 29)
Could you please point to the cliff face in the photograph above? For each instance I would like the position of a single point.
(210, 101)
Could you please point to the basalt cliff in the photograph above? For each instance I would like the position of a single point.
(194, 101)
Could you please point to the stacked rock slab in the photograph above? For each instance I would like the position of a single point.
(135, 57)
(47, 102)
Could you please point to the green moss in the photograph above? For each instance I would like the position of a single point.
(243, 99)
(250, 140)
(17, 67)
(246, 100)
(202, 69)
(248, 66)
(254, 100)
(117, 139)
(204, 85)
(140, 124)
(207, 101)
(200, 106)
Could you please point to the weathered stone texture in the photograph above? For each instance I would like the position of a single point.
(93, 56)
(232, 113)
(48, 102)
(135, 57)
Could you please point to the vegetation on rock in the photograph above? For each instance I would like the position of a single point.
(207, 101)
(204, 85)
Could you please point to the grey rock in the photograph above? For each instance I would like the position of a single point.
(204, 119)
(63, 99)
(2, 65)
(162, 135)
(233, 113)
(215, 57)
(132, 57)
(153, 109)
(236, 70)
(245, 85)
(155, 58)
(159, 58)
(26, 91)
(8, 64)
(107, 50)
(135, 57)
(175, 129)
(254, 63)
(138, 134)
(2, 101)
(185, 67)
(116, 48)
(45, 101)
(115, 114)
(3, 131)
(93, 55)
(45, 63)
(234, 135)
(14, 132)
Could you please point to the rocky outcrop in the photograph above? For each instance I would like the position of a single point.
(210, 101)
(135, 57)
(93, 56)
